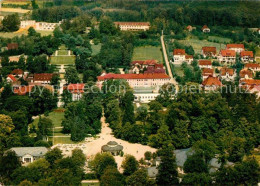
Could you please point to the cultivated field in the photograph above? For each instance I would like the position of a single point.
(15, 10)
(148, 52)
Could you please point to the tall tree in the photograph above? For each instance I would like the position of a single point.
(130, 165)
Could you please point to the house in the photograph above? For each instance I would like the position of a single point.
(17, 73)
(189, 58)
(206, 72)
(46, 26)
(190, 28)
(251, 85)
(253, 66)
(133, 26)
(205, 63)
(179, 56)
(12, 46)
(29, 154)
(77, 91)
(11, 79)
(146, 66)
(211, 84)
(209, 51)
(43, 78)
(246, 74)
(227, 74)
(227, 57)
(205, 29)
(236, 47)
(27, 23)
(247, 56)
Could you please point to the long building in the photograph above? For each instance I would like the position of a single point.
(133, 26)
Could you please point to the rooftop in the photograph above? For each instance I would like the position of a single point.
(235, 46)
(247, 53)
(212, 81)
(178, 52)
(133, 76)
(34, 151)
(228, 53)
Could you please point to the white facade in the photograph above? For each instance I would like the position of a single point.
(247, 59)
(76, 96)
(237, 50)
(145, 97)
(228, 77)
(227, 60)
(27, 23)
(46, 26)
(133, 26)
(178, 59)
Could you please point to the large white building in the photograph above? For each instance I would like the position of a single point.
(133, 26)
(39, 25)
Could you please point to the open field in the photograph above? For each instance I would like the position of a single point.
(178, 70)
(69, 60)
(219, 39)
(198, 44)
(96, 49)
(148, 52)
(24, 32)
(61, 140)
(15, 10)
(56, 118)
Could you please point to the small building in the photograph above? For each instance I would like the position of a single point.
(211, 84)
(29, 154)
(227, 57)
(251, 85)
(179, 56)
(11, 79)
(46, 26)
(112, 147)
(17, 73)
(205, 29)
(133, 26)
(236, 47)
(206, 72)
(203, 63)
(190, 28)
(189, 58)
(77, 91)
(12, 46)
(227, 74)
(43, 78)
(247, 56)
(246, 74)
(209, 51)
(255, 67)
(27, 23)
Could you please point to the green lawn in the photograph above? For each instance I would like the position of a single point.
(56, 118)
(178, 70)
(90, 184)
(257, 53)
(13, 34)
(220, 39)
(69, 60)
(198, 44)
(148, 52)
(63, 52)
(96, 49)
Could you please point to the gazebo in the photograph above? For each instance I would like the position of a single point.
(113, 148)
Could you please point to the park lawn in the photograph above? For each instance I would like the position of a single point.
(56, 118)
(257, 52)
(96, 49)
(69, 60)
(220, 39)
(178, 70)
(148, 52)
(198, 44)
(63, 52)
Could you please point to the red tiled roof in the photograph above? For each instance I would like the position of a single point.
(205, 27)
(252, 65)
(205, 62)
(189, 57)
(212, 81)
(11, 77)
(133, 23)
(250, 82)
(134, 76)
(17, 72)
(12, 46)
(76, 88)
(209, 50)
(230, 71)
(235, 46)
(228, 53)
(158, 66)
(145, 62)
(245, 72)
(178, 52)
(42, 77)
(247, 53)
(207, 72)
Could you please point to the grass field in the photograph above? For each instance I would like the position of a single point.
(15, 10)
(13, 34)
(148, 52)
(96, 49)
(69, 60)
(219, 39)
(198, 44)
(63, 52)
(178, 70)
(56, 118)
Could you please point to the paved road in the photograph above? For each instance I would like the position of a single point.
(173, 81)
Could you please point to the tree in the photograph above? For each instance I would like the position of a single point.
(78, 157)
(11, 23)
(148, 155)
(45, 127)
(55, 80)
(66, 97)
(162, 138)
(167, 92)
(71, 75)
(195, 164)
(6, 128)
(155, 106)
(128, 107)
(107, 27)
(53, 155)
(112, 177)
(130, 165)
(139, 177)
(142, 114)
(196, 179)
(167, 170)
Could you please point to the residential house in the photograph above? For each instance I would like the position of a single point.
(11, 79)
(179, 56)
(17, 73)
(133, 26)
(247, 56)
(189, 58)
(27, 23)
(43, 78)
(77, 91)
(46, 26)
(190, 28)
(227, 57)
(236, 47)
(251, 85)
(29, 154)
(146, 66)
(12, 46)
(203, 63)
(206, 72)
(255, 67)
(209, 51)
(246, 74)
(227, 74)
(205, 29)
(211, 84)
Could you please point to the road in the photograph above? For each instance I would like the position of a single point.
(173, 81)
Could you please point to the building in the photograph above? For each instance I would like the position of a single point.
(77, 91)
(247, 56)
(205, 29)
(12, 46)
(29, 154)
(27, 23)
(236, 47)
(179, 56)
(227, 57)
(251, 85)
(206, 72)
(146, 66)
(11, 79)
(46, 26)
(43, 78)
(209, 51)
(227, 74)
(203, 63)
(253, 66)
(133, 26)
(189, 59)
(246, 74)
(112, 147)
(190, 28)
(17, 73)
(211, 84)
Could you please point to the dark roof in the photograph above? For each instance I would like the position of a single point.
(112, 143)
(34, 151)
(112, 146)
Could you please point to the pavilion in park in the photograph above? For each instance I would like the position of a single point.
(112, 147)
